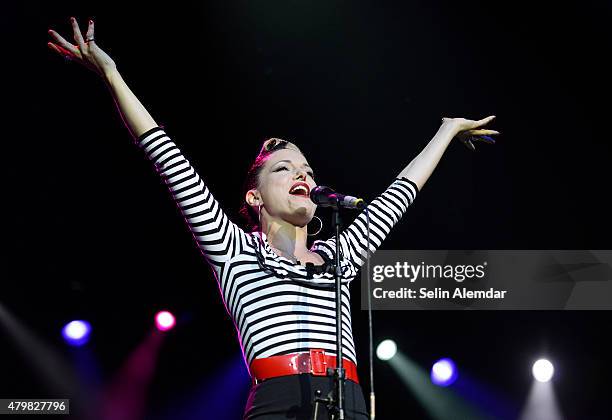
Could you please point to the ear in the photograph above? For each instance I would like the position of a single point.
(253, 198)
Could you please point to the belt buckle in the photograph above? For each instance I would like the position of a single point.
(318, 364)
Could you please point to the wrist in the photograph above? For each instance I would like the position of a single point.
(449, 127)
(111, 74)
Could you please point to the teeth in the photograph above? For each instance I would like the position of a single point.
(299, 188)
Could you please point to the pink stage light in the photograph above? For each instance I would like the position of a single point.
(164, 321)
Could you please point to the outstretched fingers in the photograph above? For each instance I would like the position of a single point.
(468, 143)
(482, 132)
(470, 136)
(90, 31)
(63, 47)
(485, 121)
(78, 37)
(59, 50)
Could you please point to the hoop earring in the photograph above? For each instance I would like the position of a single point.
(260, 217)
(320, 227)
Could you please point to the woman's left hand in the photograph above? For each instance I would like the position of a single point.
(469, 131)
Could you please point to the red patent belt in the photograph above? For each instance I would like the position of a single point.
(314, 361)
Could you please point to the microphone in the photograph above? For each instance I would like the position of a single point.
(326, 197)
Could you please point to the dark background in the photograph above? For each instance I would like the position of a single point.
(91, 231)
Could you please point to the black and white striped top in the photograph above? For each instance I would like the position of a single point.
(278, 306)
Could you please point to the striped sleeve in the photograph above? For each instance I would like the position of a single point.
(216, 236)
(385, 211)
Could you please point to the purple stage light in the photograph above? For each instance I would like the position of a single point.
(76, 333)
(164, 321)
(444, 372)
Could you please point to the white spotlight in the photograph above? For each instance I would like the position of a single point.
(543, 370)
(386, 350)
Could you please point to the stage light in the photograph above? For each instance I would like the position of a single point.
(164, 321)
(543, 370)
(443, 372)
(386, 350)
(76, 333)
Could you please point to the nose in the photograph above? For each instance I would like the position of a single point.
(301, 174)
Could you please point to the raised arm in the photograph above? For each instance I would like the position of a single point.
(421, 167)
(388, 208)
(87, 53)
(385, 211)
(216, 236)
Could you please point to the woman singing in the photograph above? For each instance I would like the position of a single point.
(278, 292)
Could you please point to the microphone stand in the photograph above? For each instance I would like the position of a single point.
(335, 400)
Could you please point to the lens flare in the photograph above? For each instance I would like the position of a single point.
(543, 370)
(444, 372)
(164, 321)
(76, 333)
(386, 350)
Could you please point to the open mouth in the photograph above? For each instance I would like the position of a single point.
(300, 189)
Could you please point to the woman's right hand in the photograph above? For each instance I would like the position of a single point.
(85, 52)
(469, 131)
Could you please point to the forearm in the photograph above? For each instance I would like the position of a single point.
(135, 116)
(421, 167)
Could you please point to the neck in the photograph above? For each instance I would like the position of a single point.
(286, 238)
